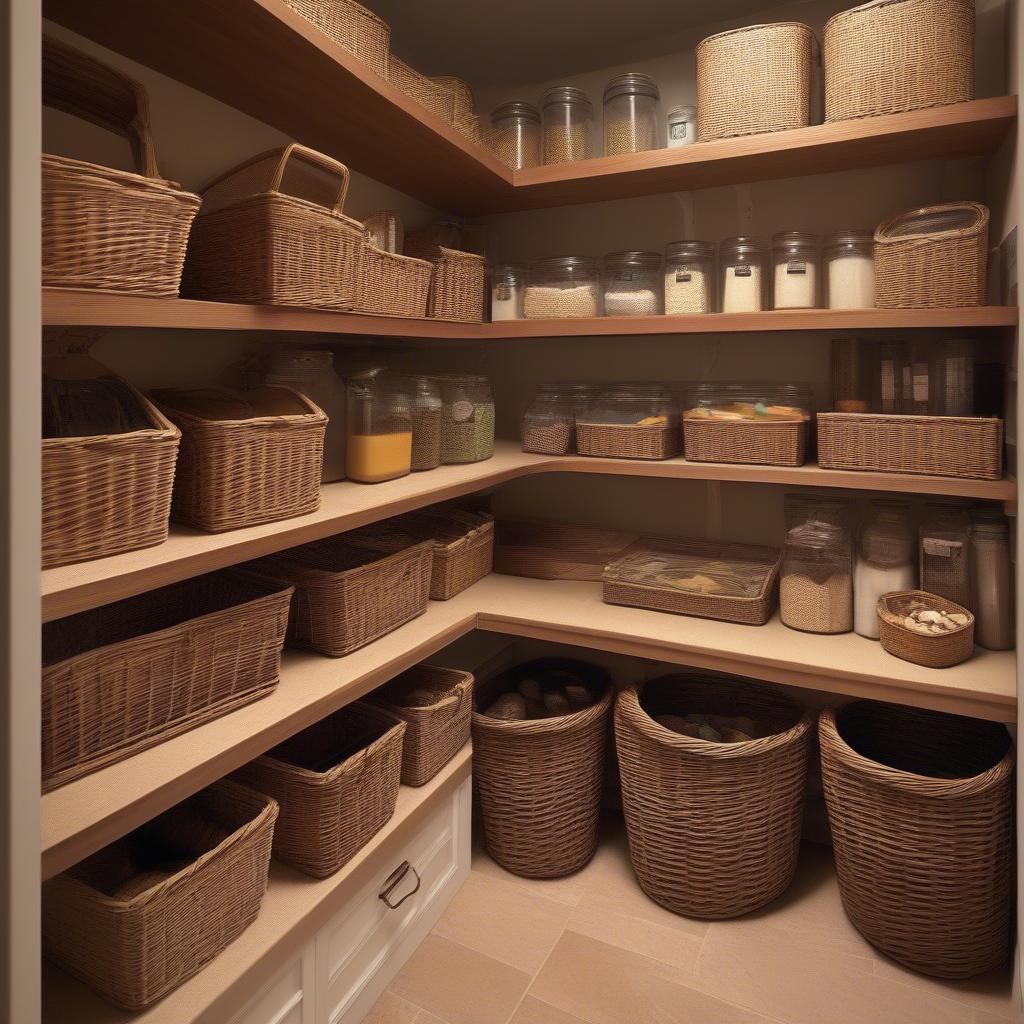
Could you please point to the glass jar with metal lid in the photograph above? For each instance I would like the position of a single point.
(742, 266)
(567, 116)
(630, 114)
(681, 126)
(426, 406)
(508, 289)
(467, 419)
(850, 270)
(379, 428)
(514, 135)
(563, 286)
(991, 579)
(689, 277)
(632, 284)
(795, 257)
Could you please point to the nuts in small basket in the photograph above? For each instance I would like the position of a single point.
(924, 628)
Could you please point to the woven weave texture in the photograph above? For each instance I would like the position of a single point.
(747, 442)
(459, 283)
(392, 284)
(938, 650)
(435, 96)
(628, 440)
(352, 27)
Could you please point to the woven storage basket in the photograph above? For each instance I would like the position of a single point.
(352, 27)
(103, 494)
(392, 284)
(385, 231)
(539, 782)
(556, 551)
(962, 446)
(893, 55)
(198, 872)
(125, 676)
(436, 705)
(463, 103)
(934, 256)
(260, 465)
(470, 126)
(921, 809)
(459, 283)
(271, 231)
(714, 828)
(753, 80)
(336, 783)
(347, 596)
(105, 228)
(939, 650)
(766, 443)
(628, 440)
(435, 96)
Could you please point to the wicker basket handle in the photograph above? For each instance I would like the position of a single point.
(311, 156)
(81, 86)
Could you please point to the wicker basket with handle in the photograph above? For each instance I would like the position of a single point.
(936, 650)
(457, 291)
(352, 27)
(433, 95)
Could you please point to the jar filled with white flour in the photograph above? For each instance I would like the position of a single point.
(689, 277)
(886, 562)
(796, 256)
(742, 266)
(632, 284)
(850, 270)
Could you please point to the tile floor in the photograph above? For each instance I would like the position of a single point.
(592, 949)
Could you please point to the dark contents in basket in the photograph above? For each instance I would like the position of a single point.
(547, 693)
(91, 407)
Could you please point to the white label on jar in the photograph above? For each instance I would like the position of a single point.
(741, 271)
(503, 292)
(462, 411)
(683, 276)
(624, 275)
(796, 267)
(679, 131)
(940, 548)
(921, 386)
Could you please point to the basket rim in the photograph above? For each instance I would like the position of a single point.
(118, 176)
(872, 5)
(309, 573)
(314, 415)
(981, 223)
(270, 196)
(907, 418)
(775, 25)
(892, 620)
(363, 12)
(397, 256)
(531, 727)
(454, 694)
(656, 427)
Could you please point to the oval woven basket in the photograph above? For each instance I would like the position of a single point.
(714, 828)
(921, 809)
(352, 27)
(939, 650)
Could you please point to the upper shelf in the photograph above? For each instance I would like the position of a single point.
(321, 95)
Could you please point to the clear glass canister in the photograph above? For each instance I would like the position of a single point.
(885, 562)
(425, 398)
(508, 289)
(632, 284)
(379, 431)
(944, 539)
(514, 135)
(549, 421)
(952, 384)
(467, 419)
(816, 585)
(991, 579)
(741, 263)
(853, 374)
(630, 114)
(796, 256)
(850, 270)
(563, 286)
(689, 278)
(641, 403)
(567, 116)
(681, 126)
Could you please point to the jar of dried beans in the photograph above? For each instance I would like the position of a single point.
(563, 286)
(514, 135)
(689, 278)
(630, 114)
(567, 117)
(549, 421)
(508, 288)
(425, 396)
(632, 284)
(816, 586)
(467, 419)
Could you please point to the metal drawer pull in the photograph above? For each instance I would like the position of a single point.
(394, 880)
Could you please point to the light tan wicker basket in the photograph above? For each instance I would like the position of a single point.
(143, 915)
(628, 440)
(939, 650)
(336, 783)
(920, 805)
(458, 287)
(471, 126)
(105, 228)
(556, 551)
(435, 96)
(392, 284)
(750, 442)
(352, 27)
(714, 828)
(755, 79)
(969, 447)
(271, 231)
(933, 256)
(893, 55)
(463, 103)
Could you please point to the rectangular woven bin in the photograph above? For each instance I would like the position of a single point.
(556, 551)
(347, 596)
(970, 447)
(748, 442)
(125, 676)
(393, 284)
(459, 283)
(433, 95)
(352, 26)
(143, 915)
(628, 440)
(436, 705)
(246, 458)
(336, 783)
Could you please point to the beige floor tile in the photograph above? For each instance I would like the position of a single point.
(504, 920)
(992, 992)
(391, 1009)
(458, 984)
(983, 1017)
(533, 1011)
(566, 890)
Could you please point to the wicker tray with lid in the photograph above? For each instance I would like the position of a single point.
(352, 27)
(937, 650)
(458, 288)
(556, 551)
(433, 95)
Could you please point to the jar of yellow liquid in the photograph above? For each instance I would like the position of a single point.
(378, 437)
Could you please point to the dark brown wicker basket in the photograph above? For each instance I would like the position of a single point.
(939, 650)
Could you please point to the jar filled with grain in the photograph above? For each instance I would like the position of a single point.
(630, 114)
(944, 553)
(549, 421)
(514, 135)
(467, 419)
(885, 562)
(563, 286)
(567, 117)
(425, 397)
(689, 277)
(681, 126)
(850, 270)
(632, 284)
(378, 428)
(816, 586)
(991, 579)
(795, 258)
(508, 289)
(741, 263)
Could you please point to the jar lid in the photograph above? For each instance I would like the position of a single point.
(587, 263)
(989, 522)
(741, 245)
(795, 241)
(301, 360)
(850, 238)
(633, 83)
(683, 112)
(565, 94)
(633, 258)
(690, 250)
(507, 273)
(515, 108)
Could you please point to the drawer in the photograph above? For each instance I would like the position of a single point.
(289, 998)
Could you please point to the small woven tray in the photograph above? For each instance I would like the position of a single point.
(750, 442)
(628, 440)
(940, 650)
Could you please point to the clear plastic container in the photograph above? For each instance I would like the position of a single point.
(681, 126)
(630, 421)
(514, 136)
(853, 374)
(508, 289)
(630, 114)
(796, 256)
(885, 562)
(425, 397)
(944, 547)
(379, 431)
(632, 284)
(733, 400)
(567, 116)
(561, 287)
(850, 270)
(689, 278)
(548, 423)
(641, 402)
(991, 579)
(742, 263)
(467, 419)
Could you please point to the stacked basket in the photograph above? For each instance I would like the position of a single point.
(457, 291)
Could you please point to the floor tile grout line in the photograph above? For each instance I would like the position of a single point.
(536, 974)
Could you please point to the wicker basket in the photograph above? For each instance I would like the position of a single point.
(143, 915)
(556, 551)
(751, 442)
(539, 782)
(961, 446)
(352, 27)
(714, 828)
(463, 103)
(271, 231)
(921, 809)
(125, 676)
(108, 493)
(392, 284)
(336, 783)
(938, 650)
(470, 126)
(753, 80)
(436, 705)
(934, 256)
(628, 440)
(893, 55)
(105, 228)
(430, 94)
(385, 230)
(458, 288)
(346, 596)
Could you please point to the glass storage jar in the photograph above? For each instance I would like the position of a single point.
(853, 374)
(885, 562)
(632, 284)
(379, 429)
(425, 398)
(795, 257)
(567, 116)
(991, 580)
(467, 419)
(850, 270)
(816, 584)
(681, 126)
(549, 421)
(562, 286)
(508, 288)
(689, 277)
(944, 539)
(630, 114)
(630, 421)
(742, 266)
(514, 135)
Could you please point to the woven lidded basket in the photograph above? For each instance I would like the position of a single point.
(933, 256)
(143, 915)
(336, 783)
(247, 457)
(753, 80)
(105, 228)
(436, 704)
(271, 231)
(393, 284)
(893, 55)
(920, 805)
(765, 443)
(539, 781)
(459, 283)
(714, 828)
(938, 650)
(628, 440)
(125, 676)
(352, 27)
(433, 95)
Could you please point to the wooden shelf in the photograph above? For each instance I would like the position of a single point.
(344, 506)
